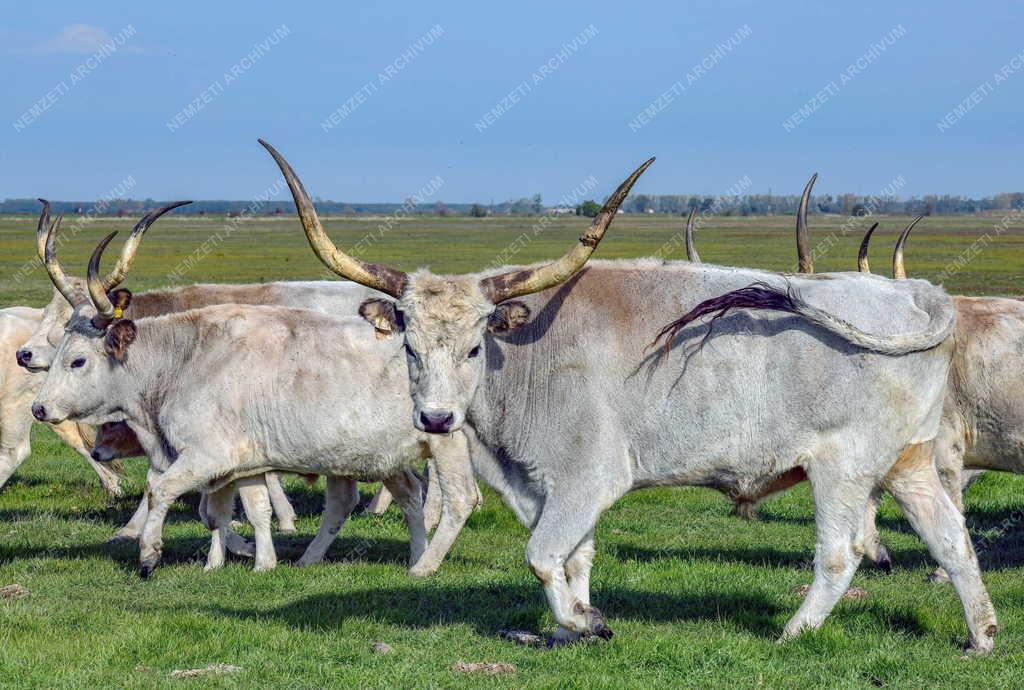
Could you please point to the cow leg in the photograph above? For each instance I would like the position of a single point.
(133, 529)
(949, 463)
(869, 539)
(565, 523)
(341, 496)
(914, 482)
(408, 492)
(15, 428)
(453, 485)
(381, 501)
(256, 501)
(577, 572)
(70, 434)
(215, 510)
(432, 498)
(162, 490)
(235, 542)
(968, 477)
(840, 504)
(282, 506)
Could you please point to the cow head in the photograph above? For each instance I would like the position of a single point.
(37, 353)
(444, 319)
(115, 440)
(89, 361)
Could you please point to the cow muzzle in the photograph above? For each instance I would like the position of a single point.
(32, 360)
(39, 412)
(24, 358)
(101, 454)
(436, 421)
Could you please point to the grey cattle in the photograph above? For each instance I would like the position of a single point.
(224, 393)
(982, 420)
(17, 389)
(36, 351)
(746, 498)
(566, 409)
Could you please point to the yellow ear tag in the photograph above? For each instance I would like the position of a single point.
(118, 312)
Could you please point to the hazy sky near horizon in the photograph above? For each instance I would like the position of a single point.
(373, 101)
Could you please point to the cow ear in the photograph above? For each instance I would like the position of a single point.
(119, 336)
(507, 317)
(383, 315)
(121, 299)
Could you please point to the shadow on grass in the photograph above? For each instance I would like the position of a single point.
(491, 609)
(192, 550)
(488, 609)
(997, 534)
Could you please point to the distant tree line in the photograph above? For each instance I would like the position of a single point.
(743, 205)
(841, 204)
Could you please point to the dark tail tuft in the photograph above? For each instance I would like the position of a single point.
(758, 295)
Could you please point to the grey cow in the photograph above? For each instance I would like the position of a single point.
(17, 389)
(566, 409)
(226, 393)
(982, 420)
(37, 350)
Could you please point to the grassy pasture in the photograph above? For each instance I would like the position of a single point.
(696, 597)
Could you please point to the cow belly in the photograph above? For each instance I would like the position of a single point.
(349, 458)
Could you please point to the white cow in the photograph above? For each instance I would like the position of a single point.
(224, 393)
(548, 372)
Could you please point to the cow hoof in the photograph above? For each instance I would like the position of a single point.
(884, 562)
(287, 529)
(981, 647)
(120, 538)
(596, 625)
(421, 571)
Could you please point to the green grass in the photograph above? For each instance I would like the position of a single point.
(696, 597)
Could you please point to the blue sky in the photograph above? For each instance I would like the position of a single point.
(607, 64)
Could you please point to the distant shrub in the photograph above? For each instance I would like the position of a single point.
(588, 208)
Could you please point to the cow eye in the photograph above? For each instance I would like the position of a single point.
(474, 352)
(412, 355)
(78, 363)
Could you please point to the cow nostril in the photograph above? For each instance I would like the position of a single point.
(23, 357)
(437, 420)
(95, 455)
(39, 412)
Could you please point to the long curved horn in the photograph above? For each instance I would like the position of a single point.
(43, 229)
(97, 288)
(898, 271)
(57, 275)
(803, 243)
(691, 250)
(131, 245)
(526, 281)
(378, 276)
(862, 255)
